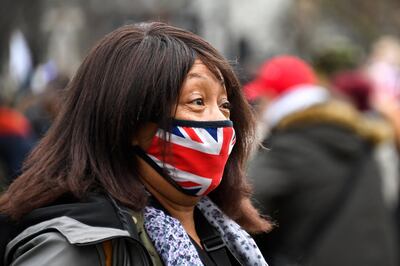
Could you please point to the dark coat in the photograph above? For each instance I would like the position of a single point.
(72, 233)
(75, 232)
(320, 183)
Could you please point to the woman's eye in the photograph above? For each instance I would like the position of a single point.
(198, 102)
(226, 105)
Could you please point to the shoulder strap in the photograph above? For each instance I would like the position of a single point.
(212, 241)
(107, 248)
(133, 223)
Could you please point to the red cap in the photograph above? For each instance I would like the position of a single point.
(279, 75)
(14, 123)
(253, 89)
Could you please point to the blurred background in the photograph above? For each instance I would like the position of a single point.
(42, 43)
(43, 39)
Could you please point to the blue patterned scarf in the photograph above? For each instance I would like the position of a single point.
(175, 248)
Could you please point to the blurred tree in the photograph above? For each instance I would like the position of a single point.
(318, 22)
(367, 20)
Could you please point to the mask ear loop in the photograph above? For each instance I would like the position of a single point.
(137, 150)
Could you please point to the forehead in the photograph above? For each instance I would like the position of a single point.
(200, 71)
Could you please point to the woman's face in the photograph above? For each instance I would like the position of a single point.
(203, 96)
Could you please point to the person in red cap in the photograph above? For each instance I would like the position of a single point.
(15, 143)
(318, 179)
(279, 75)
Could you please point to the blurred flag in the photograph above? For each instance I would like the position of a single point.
(20, 64)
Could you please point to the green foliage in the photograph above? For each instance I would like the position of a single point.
(331, 60)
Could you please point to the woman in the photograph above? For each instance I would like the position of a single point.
(143, 166)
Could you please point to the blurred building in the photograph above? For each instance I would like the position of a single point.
(247, 31)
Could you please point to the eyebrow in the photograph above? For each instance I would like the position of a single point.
(195, 75)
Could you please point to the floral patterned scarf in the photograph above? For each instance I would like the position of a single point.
(174, 245)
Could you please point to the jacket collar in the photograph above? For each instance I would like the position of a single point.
(299, 98)
(78, 221)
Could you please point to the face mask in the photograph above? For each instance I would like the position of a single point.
(196, 154)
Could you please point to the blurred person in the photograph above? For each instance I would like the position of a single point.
(15, 143)
(318, 177)
(357, 88)
(41, 109)
(390, 108)
(383, 68)
(144, 164)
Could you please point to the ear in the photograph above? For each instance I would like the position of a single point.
(144, 135)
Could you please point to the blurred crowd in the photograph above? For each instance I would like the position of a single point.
(25, 117)
(326, 171)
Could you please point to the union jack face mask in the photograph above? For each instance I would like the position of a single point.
(192, 155)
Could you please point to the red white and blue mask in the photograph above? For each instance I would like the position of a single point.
(195, 156)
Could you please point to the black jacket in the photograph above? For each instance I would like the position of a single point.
(86, 225)
(320, 183)
(79, 229)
